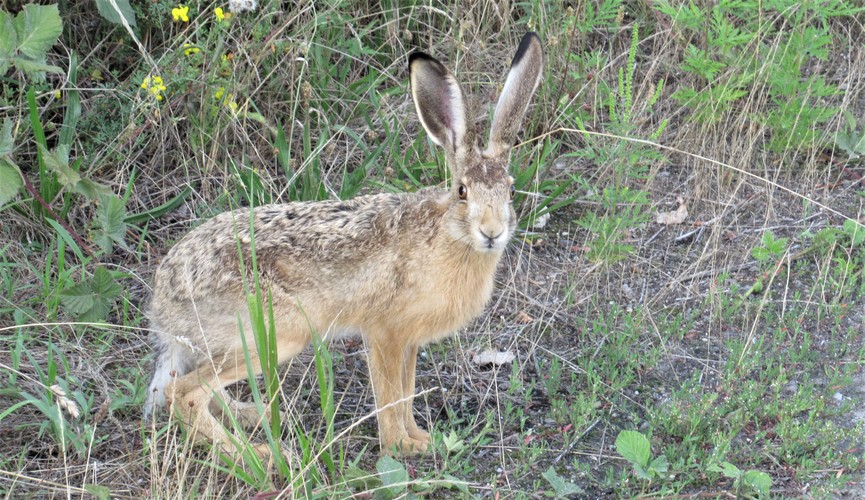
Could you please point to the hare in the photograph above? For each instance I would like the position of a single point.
(402, 270)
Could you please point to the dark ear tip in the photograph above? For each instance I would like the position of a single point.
(418, 56)
(528, 39)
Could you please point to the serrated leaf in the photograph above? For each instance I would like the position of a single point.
(634, 447)
(562, 487)
(38, 28)
(855, 231)
(98, 491)
(35, 67)
(78, 299)
(91, 300)
(104, 284)
(760, 253)
(8, 41)
(57, 160)
(393, 474)
(458, 483)
(360, 479)
(727, 469)
(110, 223)
(758, 481)
(110, 14)
(6, 143)
(660, 465)
(10, 181)
(91, 189)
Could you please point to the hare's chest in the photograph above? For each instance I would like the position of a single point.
(447, 301)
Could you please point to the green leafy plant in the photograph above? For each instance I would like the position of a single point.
(623, 207)
(771, 247)
(562, 488)
(91, 299)
(26, 38)
(850, 140)
(745, 483)
(635, 448)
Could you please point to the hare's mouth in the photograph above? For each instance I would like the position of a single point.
(486, 243)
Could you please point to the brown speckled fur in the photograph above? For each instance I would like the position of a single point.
(401, 270)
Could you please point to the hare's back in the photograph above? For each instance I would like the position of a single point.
(304, 235)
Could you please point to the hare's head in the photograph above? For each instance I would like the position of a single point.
(481, 213)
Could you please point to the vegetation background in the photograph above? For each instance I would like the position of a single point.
(683, 302)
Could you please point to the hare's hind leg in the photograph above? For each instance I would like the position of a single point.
(408, 390)
(194, 392)
(387, 370)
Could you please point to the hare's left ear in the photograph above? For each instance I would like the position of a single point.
(523, 79)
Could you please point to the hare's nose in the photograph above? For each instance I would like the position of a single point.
(491, 239)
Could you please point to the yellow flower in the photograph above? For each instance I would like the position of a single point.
(219, 93)
(180, 13)
(220, 14)
(189, 49)
(154, 86)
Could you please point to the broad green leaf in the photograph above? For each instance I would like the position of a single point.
(104, 284)
(10, 181)
(727, 469)
(107, 11)
(110, 223)
(562, 487)
(634, 447)
(758, 481)
(57, 160)
(38, 27)
(78, 299)
(6, 143)
(360, 479)
(8, 42)
(91, 300)
(98, 491)
(91, 189)
(660, 465)
(855, 231)
(35, 67)
(393, 475)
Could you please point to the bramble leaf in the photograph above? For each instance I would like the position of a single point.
(562, 487)
(110, 223)
(10, 180)
(38, 27)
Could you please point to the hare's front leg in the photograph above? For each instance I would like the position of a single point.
(408, 389)
(387, 371)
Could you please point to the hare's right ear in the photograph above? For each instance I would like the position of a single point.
(439, 101)
(523, 79)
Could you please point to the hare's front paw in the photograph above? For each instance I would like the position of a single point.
(405, 445)
(418, 434)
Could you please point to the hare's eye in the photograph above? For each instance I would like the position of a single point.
(513, 191)
(463, 191)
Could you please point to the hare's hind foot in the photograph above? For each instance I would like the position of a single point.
(249, 414)
(205, 429)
